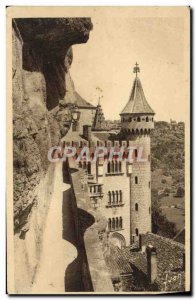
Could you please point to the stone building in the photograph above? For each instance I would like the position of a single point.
(121, 190)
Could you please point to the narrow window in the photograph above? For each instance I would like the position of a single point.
(112, 166)
(117, 223)
(113, 224)
(120, 166)
(120, 223)
(109, 224)
(138, 119)
(116, 197)
(113, 197)
(149, 184)
(109, 169)
(116, 166)
(120, 200)
(147, 119)
(109, 198)
(135, 152)
(137, 231)
(136, 180)
(136, 206)
(89, 167)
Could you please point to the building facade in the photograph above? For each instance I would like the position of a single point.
(121, 189)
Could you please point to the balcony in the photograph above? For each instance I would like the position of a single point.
(95, 190)
(114, 174)
(115, 204)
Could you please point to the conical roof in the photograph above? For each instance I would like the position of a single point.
(137, 103)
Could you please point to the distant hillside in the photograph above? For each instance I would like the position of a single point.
(167, 163)
(167, 150)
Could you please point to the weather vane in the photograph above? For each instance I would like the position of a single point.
(136, 69)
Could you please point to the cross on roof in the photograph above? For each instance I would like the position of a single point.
(136, 69)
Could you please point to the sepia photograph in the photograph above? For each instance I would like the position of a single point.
(98, 150)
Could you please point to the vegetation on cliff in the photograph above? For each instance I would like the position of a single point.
(167, 152)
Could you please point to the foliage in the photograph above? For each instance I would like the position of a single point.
(167, 151)
(180, 192)
(160, 224)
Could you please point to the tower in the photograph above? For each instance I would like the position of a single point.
(137, 121)
(99, 120)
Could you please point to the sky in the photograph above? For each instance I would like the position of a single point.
(158, 42)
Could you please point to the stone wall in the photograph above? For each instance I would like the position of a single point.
(90, 225)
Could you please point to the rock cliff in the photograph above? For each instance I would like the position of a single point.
(42, 55)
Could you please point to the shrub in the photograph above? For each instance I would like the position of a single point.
(180, 192)
(160, 224)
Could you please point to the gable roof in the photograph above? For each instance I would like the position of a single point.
(81, 102)
(137, 102)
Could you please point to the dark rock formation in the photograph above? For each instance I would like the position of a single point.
(42, 56)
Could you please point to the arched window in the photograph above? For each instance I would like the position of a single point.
(116, 166)
(147, 119)
(130, 119)
(135, 152)
(109, 224)
(136, 180)
(116, 223)
(109, 167)
(138, 119)
(120, 166)
(84, 165)
(113, 197)
(152, 119)
(112, 166)
(113, 224)
(120, 223)
(109, 198)
(137, 231)
(116, 197)
(89, 167)
(120, 193)
(136, 206)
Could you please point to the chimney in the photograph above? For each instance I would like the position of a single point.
(151, 263)
(87, 132)
(141, 246)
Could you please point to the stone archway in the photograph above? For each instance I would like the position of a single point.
(118, 240)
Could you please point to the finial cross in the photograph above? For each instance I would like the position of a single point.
(136, 69)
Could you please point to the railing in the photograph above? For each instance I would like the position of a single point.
(115, 204)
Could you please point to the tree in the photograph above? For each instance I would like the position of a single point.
(160, 224)
(180, 192)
